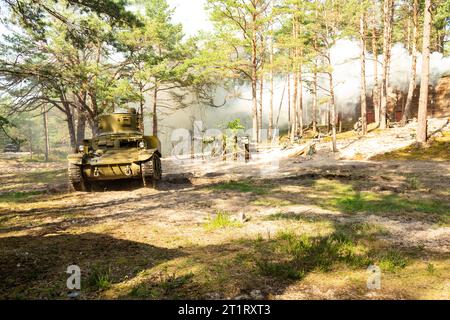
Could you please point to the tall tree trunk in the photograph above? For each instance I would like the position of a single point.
(67, 109)
(408, 35)
(423, 99)
(70, 126)
(387, 30)
(94, 120)
(93, 96)
(141, 106)
(260, 111)
(314, 100)
(412, 80)
(333, 112)
(289, 102)
(81, 126)
(155, 109)
(300, 101)
(30, 142)
(441, 39)
(376, 88)
(294, 108)
(255, 129)
(362, 31)
(294, 98)
(300, 84)
(271, 88)
(46, 139)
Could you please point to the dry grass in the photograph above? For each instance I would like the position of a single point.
(352, 134)
(436, 150)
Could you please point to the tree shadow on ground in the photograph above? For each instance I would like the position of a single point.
(164, 192)
(271, 266)
(168, 182)
(34, 267)
(348, 192)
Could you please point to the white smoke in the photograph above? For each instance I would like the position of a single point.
(347, 78)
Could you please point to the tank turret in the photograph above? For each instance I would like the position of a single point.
(120, 122)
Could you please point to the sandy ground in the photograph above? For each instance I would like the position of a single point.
(170, 219)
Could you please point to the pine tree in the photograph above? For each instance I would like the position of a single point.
(362, 35)
(425, 76)
(246, 19)
(412, 80)
(388, 12)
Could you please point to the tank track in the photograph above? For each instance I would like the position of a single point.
(151, 171)
(76, 179)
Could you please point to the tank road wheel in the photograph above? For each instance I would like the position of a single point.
(147, 173)
(151, 171)
(76, 178)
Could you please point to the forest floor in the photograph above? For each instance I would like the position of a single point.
(289, 228)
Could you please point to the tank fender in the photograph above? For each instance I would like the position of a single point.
(146, 155)
(75, 158)
(153, 143)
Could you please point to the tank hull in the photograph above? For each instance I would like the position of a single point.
(113, 165)
(119, 151)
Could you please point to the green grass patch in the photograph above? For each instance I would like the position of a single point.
(19, 196)
(165, 285)
(344, 198)
(373, 203)
(443, 220)
(284, 216)
(55, 156)
(145, 292)
(413, 183)
(392, 261)
(46, 176)
(291, 256)
(350, 134)
(342, 136)
(431, 269)
(242, 186)
(279, 270)
(271, 202)
(100, 278)
(334, 187)
(221, 220)
(292, 216)
(366, 230)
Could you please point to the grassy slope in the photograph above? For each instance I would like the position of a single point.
(438, 149)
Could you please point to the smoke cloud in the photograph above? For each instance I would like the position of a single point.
(346, 74)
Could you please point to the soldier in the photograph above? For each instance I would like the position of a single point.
(358, 126)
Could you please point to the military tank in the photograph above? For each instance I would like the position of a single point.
(120, 150)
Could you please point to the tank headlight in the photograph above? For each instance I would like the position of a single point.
(142, 145)
(81, 148)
